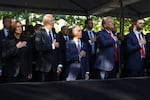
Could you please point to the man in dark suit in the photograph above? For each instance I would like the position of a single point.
(89, 37)
(135, 50)
(3, 35)
(77, 56)
(63, 37)
(106, 52)
(47, 45)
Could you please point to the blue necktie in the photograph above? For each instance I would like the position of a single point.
(50, 36)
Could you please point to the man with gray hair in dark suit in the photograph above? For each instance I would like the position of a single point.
(47, 45)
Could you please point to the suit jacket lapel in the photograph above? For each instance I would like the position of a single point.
(87, 35)
(46, 35)
(135, 38)
(74, 46)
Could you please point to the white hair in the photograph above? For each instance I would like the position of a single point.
(47, 18)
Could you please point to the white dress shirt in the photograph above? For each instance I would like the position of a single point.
(91, 35)
(50, 31)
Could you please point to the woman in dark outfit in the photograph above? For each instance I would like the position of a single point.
(17, 52)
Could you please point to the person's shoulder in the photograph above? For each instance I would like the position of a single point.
(40, 32)
(1, 31)
(101, 32)
(70, 42)
(130, 34)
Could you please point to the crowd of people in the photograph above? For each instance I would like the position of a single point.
(40, 54)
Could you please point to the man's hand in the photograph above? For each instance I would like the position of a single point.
(59, 70)
(93, 39)
(21, 44)
(143, 42)
(56, 44)
(82, 53)
(115, 38)
(30, 76)
(86, 76)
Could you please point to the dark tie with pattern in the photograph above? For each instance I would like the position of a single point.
(50, 36)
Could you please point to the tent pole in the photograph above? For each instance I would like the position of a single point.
(121, 19)
(26, 13)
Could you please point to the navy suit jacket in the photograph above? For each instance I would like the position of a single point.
(73, 56)
(105, 51)
(133, 59)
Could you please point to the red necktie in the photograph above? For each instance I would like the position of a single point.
(142, 49)
(116, 49)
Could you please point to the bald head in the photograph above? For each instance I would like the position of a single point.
(48, 19)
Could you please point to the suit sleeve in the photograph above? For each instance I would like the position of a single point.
(86, 58)
(60, 50)
(29, 42)
(9, 48)
(104, 42)
(130, 47)
(40, 46)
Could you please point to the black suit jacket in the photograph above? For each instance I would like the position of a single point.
(62, 50)
(2, 38)
(86, 39)
(17, 61)
(47, 56)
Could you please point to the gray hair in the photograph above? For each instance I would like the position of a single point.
(47, 18)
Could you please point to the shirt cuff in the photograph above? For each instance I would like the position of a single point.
(53, 46)
(79, 58)
(60, 65)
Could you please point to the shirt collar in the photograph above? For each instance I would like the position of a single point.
(136, 32)
(48, 30)
(108, 31)
(76, 40)
(5, 29)
(89, 30)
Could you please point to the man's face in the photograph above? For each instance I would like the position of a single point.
(77, 32)
(89, 24)
(65, 30)
(140, 24)
(7, 23)
(51, 21)
(109, 24)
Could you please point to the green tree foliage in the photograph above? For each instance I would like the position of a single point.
(73, 20)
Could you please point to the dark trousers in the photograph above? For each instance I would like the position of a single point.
(9, 79)
(46, 76)
(93, 71)
(136, 72)
(19, 78)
